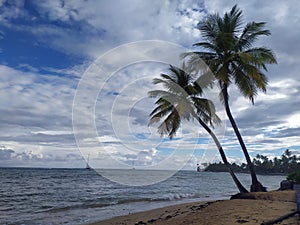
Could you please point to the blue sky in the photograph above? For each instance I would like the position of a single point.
(48, 47)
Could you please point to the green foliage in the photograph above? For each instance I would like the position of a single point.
(294, 176)
(286, 164)
(216, 167)
(180, 100)
(220, 167)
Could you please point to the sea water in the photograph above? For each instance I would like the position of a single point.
(30, 196)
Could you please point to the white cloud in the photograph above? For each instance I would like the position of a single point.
(108, 139)
(36, 105)
(36, 110)
(11, 10)
(104, 25)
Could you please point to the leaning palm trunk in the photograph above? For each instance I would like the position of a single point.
(241, 188)
(256, 185)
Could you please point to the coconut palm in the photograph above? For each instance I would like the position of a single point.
(181, 100)
(231, 56)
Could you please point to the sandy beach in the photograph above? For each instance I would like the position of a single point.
(261, 208)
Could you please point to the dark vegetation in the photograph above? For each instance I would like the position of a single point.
(286, 164)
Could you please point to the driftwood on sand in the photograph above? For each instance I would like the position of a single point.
(281, 218)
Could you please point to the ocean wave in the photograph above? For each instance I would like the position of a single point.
(178, 196)
(113, 201)
(78, 206)
(166, 197)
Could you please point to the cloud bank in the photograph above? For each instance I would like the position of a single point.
(47, 46)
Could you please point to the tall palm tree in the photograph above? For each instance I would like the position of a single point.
(230, 55)
(182, 100)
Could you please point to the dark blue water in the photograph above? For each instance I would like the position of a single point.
(78, 196)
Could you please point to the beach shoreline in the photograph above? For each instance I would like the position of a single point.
(262, 208)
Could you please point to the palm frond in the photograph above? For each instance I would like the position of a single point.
(168, 99)
(243, 80)
(170, 125)
(182, 78)
(170, 85)
(234, 20)
(250, 34)
(206, 110)
(251, 64)
(162, 104)
(206, 80)
(167, 77)
(209, 29)
(208, 46)
(201, 62)
(261, 56)
(158, 93)
(159, 112)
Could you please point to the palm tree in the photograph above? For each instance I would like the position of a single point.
(230, 55)
(182, 100)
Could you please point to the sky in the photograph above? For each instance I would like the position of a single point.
(74, 77)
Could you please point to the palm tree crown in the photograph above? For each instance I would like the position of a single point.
(230, 53)
(181, 100)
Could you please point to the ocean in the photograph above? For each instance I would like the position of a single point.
(31, 196)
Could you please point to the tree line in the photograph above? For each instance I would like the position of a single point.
(285, 164)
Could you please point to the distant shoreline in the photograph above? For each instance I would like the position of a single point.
(244, 172)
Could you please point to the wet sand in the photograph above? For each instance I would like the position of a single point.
(261, 208)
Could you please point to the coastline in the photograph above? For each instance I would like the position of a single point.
(264, 207)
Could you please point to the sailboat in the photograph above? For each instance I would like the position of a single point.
(87, 163)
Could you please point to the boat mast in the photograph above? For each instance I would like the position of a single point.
(87, 163)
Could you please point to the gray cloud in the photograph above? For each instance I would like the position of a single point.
(5, 153)
(290, 132)
(36, 106)
(42, 139)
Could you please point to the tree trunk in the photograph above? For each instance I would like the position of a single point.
(241, 188)
(256, 185)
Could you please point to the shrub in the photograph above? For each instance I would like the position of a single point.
(294, 176)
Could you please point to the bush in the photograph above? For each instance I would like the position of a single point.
(294, 177)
